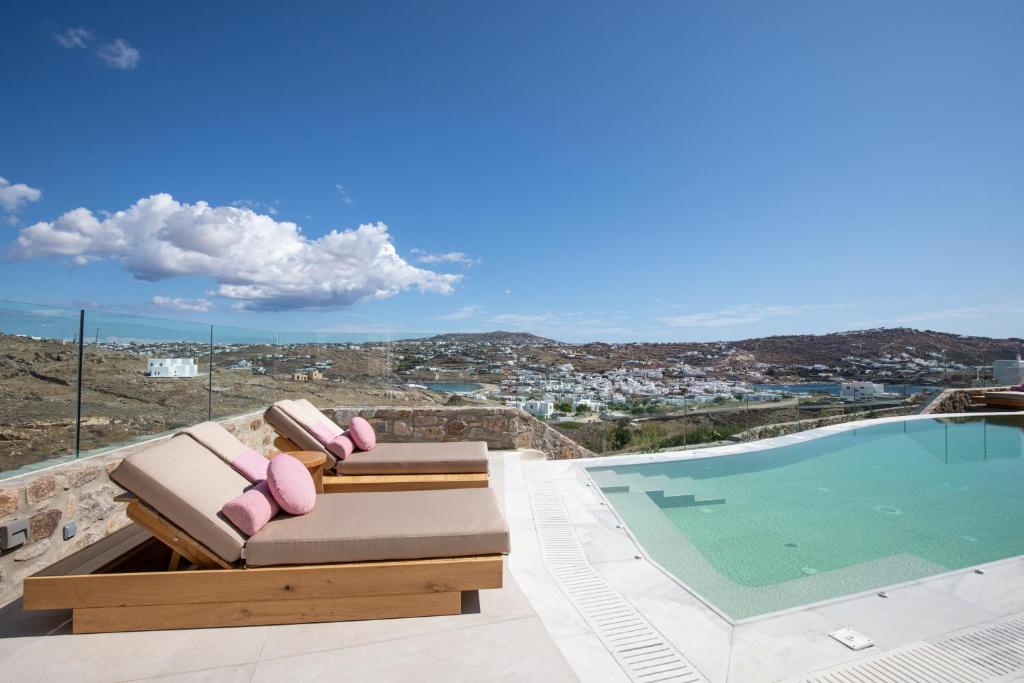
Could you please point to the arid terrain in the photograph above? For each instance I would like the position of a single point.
(120, 402)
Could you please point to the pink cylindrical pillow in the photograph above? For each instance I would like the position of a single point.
(291, 484)
(324, 431)
(341, 446)
(251, 510)
(362, 434)
(251, 465)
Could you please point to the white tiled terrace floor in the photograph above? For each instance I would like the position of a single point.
(528, 630)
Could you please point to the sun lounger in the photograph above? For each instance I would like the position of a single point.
(1002, 399)
(389, 466)
(355, 556)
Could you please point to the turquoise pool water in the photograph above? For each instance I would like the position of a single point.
(859, 510)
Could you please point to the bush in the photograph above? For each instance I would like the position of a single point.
(620, 438)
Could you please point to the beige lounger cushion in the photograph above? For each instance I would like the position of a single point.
(280, 418)
(457, 457)
(407, 525)
(223, 443)
(186, 483)
(418, 458)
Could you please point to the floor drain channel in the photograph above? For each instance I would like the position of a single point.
(642, 652)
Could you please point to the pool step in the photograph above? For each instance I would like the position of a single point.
(684, 501)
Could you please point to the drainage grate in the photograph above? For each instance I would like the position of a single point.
(644, 654)
(990, 653)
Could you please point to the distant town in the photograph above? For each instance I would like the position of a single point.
(606, 396)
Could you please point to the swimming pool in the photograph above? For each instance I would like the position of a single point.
(870, 507)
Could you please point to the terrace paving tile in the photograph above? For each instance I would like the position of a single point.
(229, 674)
(518, 649)
(127, 656)
(776, 647)
(913, 612)
(1000, 589)
(602, 541)
(479, 608)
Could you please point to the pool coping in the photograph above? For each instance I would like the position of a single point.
(767, 444)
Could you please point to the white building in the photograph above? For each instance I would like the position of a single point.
(1008, 371)
(173, 367)
(540, 409)
(860, 390)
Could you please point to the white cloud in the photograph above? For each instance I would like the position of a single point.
(446, 257)
(179, 304)
(508, 291)
(744, 315)
(256, 260)
(461, 313)
(120, 55)
(73, 37)
(344, 194)
(256, 205)
(13, 197)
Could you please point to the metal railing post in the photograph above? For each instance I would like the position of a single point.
(78, 393)
(209, 388)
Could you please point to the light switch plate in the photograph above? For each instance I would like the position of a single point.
(852, 639)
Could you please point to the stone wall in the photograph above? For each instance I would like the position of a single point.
(79, 491)
(784, 428)
(501, 427)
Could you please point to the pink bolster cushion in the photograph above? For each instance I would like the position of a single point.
(362, 434)
(325, 432)
(251, 510)
(341, 446)
(251, 465)
(291, 484)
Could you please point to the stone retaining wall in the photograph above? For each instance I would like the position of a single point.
(784, 428)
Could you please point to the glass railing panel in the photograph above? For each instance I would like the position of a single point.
(141, 377)
(244, 367)
(438, 369)
(329, 368)
(38, 384)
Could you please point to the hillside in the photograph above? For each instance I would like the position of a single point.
(831, 348)
(802, 349)
(496, 337)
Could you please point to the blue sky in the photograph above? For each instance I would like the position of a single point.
(617, 171)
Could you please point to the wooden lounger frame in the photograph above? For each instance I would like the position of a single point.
(212, 593)
(353, 483)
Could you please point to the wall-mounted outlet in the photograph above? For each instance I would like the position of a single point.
(13, 534)
(70, 529)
